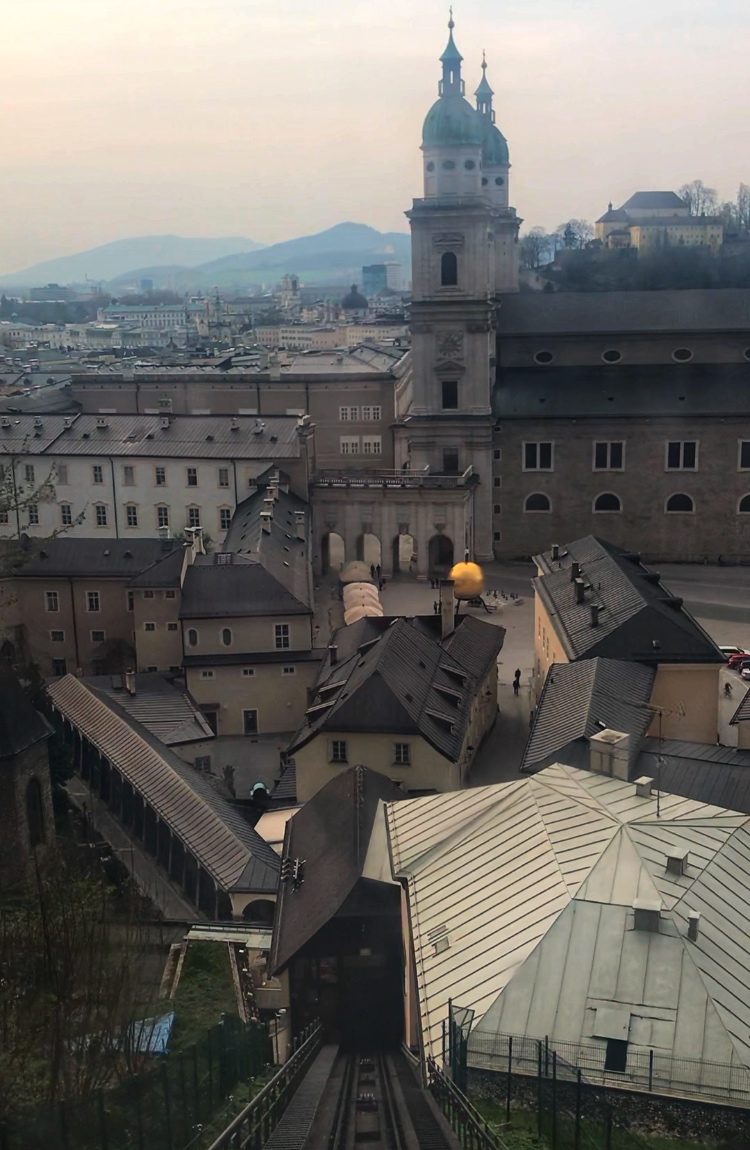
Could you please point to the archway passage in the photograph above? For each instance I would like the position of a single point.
(333, 552)
(8, 652)
(260, 910)
(403, 554)
(440, 555)
(368, 549)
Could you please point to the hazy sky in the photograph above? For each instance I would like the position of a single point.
(272, 118)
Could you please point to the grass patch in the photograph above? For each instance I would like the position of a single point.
(204, 993)
(523, 1132)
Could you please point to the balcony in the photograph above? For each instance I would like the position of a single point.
(393, 479)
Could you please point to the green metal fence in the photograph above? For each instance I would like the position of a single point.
(164, 1107)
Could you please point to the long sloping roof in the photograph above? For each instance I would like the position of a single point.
(211, 828)
(703, 771)
(163, 709)
(495, 875)
(104, 558)
(639, 620)
(610, 312)
(331, 833)
(399, 678)
(578, 699)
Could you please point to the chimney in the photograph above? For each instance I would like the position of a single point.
(265, 520)
(646, 914)
(333, 654)
(694, 923)
(299, 524)
(130, 682)
(555, 552)
(677, 860)
(166, 542)
(447, 608)
(643, 787)
(235, 424)
(609, 754)
(274, 368)
(595, 609)
(575, 571)
(580, 590)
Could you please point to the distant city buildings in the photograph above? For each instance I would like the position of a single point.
(380, 278)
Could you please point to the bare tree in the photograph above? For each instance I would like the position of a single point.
(536, 248)
(743, 208)
(574, 233)
(701, 201)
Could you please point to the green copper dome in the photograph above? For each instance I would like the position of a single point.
(451, 121)
(494, 147)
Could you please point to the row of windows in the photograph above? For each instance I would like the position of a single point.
(96, 636)
(360, 445)
(101, 515)
(367, 414)
(608, 501)
(249, 672)
(338, 753)
(152, 626)
(93, 601)
(609, 455)
(128, 473)
(614, 355)
(281, 636)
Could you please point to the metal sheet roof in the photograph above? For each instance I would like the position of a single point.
(494, 869)
(161, 707)
(110, 558)
(571, 313)
(211, 828)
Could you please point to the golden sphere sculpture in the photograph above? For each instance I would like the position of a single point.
(468, 580)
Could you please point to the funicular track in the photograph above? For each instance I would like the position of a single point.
(377, 1103)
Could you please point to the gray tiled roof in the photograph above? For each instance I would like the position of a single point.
(404, 681)
(331, 833)
(108, 558)
(610, 390)
(609, 312)
(655, 201)
(210, 827)
(579, 699)
(279, 550)
(708, 773)
(187, 436)
(162, 708)
(242, 588)
(638, 618)
(165, 572)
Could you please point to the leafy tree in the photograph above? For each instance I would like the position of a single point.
(701, 200)
(537, 248)
(743, 208)
(574, 234)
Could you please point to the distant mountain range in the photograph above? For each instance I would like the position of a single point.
(333, 256)
(118, 258)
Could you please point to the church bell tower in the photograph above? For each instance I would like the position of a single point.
(464, 253)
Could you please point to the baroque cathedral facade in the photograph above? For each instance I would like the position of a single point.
(532, 417)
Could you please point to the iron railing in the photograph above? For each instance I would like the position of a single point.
(255, 1124)
(647, 1070)
(380, 479)
(471, 1129)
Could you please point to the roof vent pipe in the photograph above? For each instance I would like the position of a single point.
(555, 551)
(333, 654)
(130, 682)
(647, 914)
(580, 590)
(575, 571)
(643, 787)
(694, 922)
(595, 609)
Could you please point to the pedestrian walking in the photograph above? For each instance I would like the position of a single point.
(372, 572)
(377, 572)
(435, 607)
(516, 682)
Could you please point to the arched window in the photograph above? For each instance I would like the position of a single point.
(192, 637)
(743, 507)
(607, 501)
(537, 502)
(226, 637)
(680, 502)
(448, 269)
(35, 812)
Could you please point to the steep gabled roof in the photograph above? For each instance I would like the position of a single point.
(332, 834)
(278, 549)
(399, 678)
(578, 700)
(639, 620)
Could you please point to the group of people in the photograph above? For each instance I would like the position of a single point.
(376, 576)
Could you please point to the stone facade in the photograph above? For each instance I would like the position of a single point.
(26, 817)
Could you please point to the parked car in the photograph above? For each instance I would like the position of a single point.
(728, 651)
